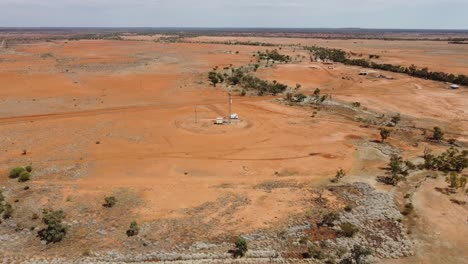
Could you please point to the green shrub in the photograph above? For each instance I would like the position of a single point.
(348, 208)
(438, 134)
(24, 176)
(109, 202)
(15, 172)
(55, 230)
(7, 210)
(314, 252)
(241, 247)
(329, 218)
(408, 209)
(384, 134)
(28, 168)
(134, 229)
(339, 175)
(349, 230)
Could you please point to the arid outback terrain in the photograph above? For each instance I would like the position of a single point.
(304, 175)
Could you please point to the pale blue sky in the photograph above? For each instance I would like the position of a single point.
(420, 14)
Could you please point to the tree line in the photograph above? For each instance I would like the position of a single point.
(341, 56)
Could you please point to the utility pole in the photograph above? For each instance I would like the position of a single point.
(230, 107)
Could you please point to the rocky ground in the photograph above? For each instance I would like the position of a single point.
(374, 214)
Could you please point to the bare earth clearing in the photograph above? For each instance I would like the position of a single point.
(134, 119)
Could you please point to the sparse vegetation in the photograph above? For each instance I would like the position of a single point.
(314, 252)
(396, 119)
(384, 134)
(340, 174)
(109, 202)
(438, 134)
(6, 210)
(329, 219)
(348, 229)
(456, 181)
(134, 229)
(55, 230)
(241, 247)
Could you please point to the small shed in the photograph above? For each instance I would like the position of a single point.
(454, 86)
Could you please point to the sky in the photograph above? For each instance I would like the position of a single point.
(397, 14)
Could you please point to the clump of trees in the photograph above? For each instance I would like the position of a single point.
(55, 230)
(134, 229)
(341, 56)
(215, 78)
(249, 82)
(23, 174)
(452, 160)
(456, 181)
(273, 55)
(398, 169)
(318, 98)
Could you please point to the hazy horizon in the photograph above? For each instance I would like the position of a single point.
(311, 14)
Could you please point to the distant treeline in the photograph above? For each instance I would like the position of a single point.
(457, 42)
(91, 36)
(241, 43)
(341, 56)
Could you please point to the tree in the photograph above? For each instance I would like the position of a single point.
(241, 247)
(396, 119)
(438, 134)
(134, 229)
(384, 134)
(339, 175)
(55, 230)
(396, 170)
(456, 181)
(213, 77)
